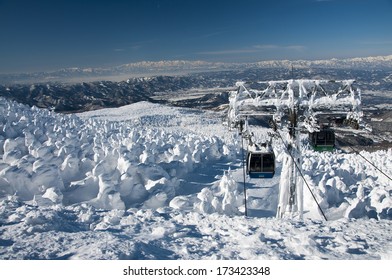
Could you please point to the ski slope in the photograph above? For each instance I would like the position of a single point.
(147, 181)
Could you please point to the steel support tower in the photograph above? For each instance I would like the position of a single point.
(295, 107)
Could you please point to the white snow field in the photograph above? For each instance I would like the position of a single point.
(148, 181)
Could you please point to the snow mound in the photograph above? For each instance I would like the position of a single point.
(54, 159)
(223, 197)
(348, 186)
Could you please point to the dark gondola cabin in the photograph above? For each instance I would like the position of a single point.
(260, 165)
(323, 140)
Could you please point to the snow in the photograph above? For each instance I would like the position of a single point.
(147, 181)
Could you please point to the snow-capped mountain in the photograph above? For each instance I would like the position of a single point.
(94, 95)
(145, 68)
(210, 88)
(171, 65)
(379, 62)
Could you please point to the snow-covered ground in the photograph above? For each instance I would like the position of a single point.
(147, 181)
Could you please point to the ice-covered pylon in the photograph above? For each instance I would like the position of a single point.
(290, 190)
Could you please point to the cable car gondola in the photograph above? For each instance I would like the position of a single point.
(323, 140)
(260, 164)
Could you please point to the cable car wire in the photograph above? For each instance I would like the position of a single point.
(357, 152)
(243, 171)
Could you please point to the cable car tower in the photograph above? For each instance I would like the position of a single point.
(294, 107)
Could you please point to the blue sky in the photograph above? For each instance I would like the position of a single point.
(45, 35)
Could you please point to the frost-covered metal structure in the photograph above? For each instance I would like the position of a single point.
(295, 106)
(311, 98)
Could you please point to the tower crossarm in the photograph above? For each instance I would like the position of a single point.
(312, 97)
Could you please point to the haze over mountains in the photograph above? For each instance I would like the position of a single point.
(147, 68)
(181, 83)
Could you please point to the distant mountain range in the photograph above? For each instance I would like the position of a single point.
(354, 63)
(207, 90)
(150, 68)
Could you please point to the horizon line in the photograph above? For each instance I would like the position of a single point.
(189, 61)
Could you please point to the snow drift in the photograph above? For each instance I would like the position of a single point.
(63, 159)
(147, 181)
(141, 157)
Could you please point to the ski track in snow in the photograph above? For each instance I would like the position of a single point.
(146, 181)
